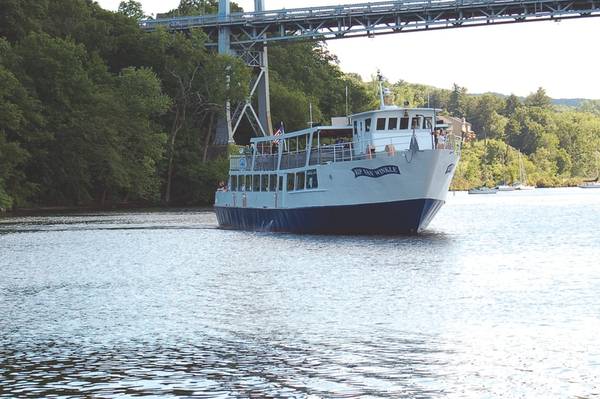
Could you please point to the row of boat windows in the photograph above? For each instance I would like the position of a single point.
(270, 183)
(416, 122)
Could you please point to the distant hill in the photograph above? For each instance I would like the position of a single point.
(566, 102)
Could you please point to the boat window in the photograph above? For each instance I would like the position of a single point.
(368, 125)
(415, 122)
(392, 123)
(241, 183)
(248, 183)
(380, 123)
(280, 185)
(290, 182)
(427, 123)
(264, 183)
(355, 127)
(272, 182)
(233, 183)
(311, 179)
(256, 185)
(404, 123)
(300, 177)
(361, 126)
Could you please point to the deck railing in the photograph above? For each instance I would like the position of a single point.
(341, 152)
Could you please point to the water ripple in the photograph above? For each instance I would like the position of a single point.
(498, 299)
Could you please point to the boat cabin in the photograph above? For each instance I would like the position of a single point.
(396, 127)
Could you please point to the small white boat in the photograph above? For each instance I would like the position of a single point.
(505, 187)
(590, 184)
(483, 190)
(521, 186)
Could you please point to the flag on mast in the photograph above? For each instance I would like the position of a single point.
(280, 130)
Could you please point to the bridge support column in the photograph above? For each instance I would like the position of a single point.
(255, 56)
(223, 134)
(264, 102)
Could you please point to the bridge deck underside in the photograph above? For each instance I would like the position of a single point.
(324, 23)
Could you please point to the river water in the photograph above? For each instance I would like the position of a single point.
(499, 298)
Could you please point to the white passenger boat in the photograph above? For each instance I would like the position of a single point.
(385, 171)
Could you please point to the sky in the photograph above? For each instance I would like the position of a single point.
(562, 57)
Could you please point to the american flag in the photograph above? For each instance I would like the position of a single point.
(280, 130)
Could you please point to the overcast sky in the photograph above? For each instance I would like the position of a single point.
(563, 57)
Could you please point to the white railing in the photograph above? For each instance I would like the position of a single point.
(344, 152)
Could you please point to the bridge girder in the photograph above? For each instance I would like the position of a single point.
(369, 19)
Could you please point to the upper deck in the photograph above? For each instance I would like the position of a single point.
(363, 136)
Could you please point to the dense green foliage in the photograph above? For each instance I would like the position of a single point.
(94, 111)
(559, 145)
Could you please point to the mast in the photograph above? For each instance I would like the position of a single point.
(381, 97)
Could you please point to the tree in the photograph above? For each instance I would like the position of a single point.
(199, 7)
(457, 103)
(310, 69)
(512, 103)
(198, 84)
(538, 99)
(132, 9)
(527, 129)
(486, 118)
(591, 106)
(138, 103)
(19, 17)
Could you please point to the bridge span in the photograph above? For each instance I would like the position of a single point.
(369, 19)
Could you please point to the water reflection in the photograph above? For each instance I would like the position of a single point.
(238, 366)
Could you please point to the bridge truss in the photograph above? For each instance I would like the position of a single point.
(248, 34)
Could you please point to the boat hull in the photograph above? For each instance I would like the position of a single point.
(589, 185)
(398, 217)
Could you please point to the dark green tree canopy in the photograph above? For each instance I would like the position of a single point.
(132, 9)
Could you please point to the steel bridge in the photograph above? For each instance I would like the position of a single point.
(248, 34)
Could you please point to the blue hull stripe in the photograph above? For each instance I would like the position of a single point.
(400, 217)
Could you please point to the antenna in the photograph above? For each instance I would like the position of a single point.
(347, 104)
(310, 123)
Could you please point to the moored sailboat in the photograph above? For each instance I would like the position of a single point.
(522, 183)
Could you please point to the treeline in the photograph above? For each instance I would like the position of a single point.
(93, 111)
(559, 145)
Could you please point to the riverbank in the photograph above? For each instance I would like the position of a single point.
(73, 210)
(568, 183)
